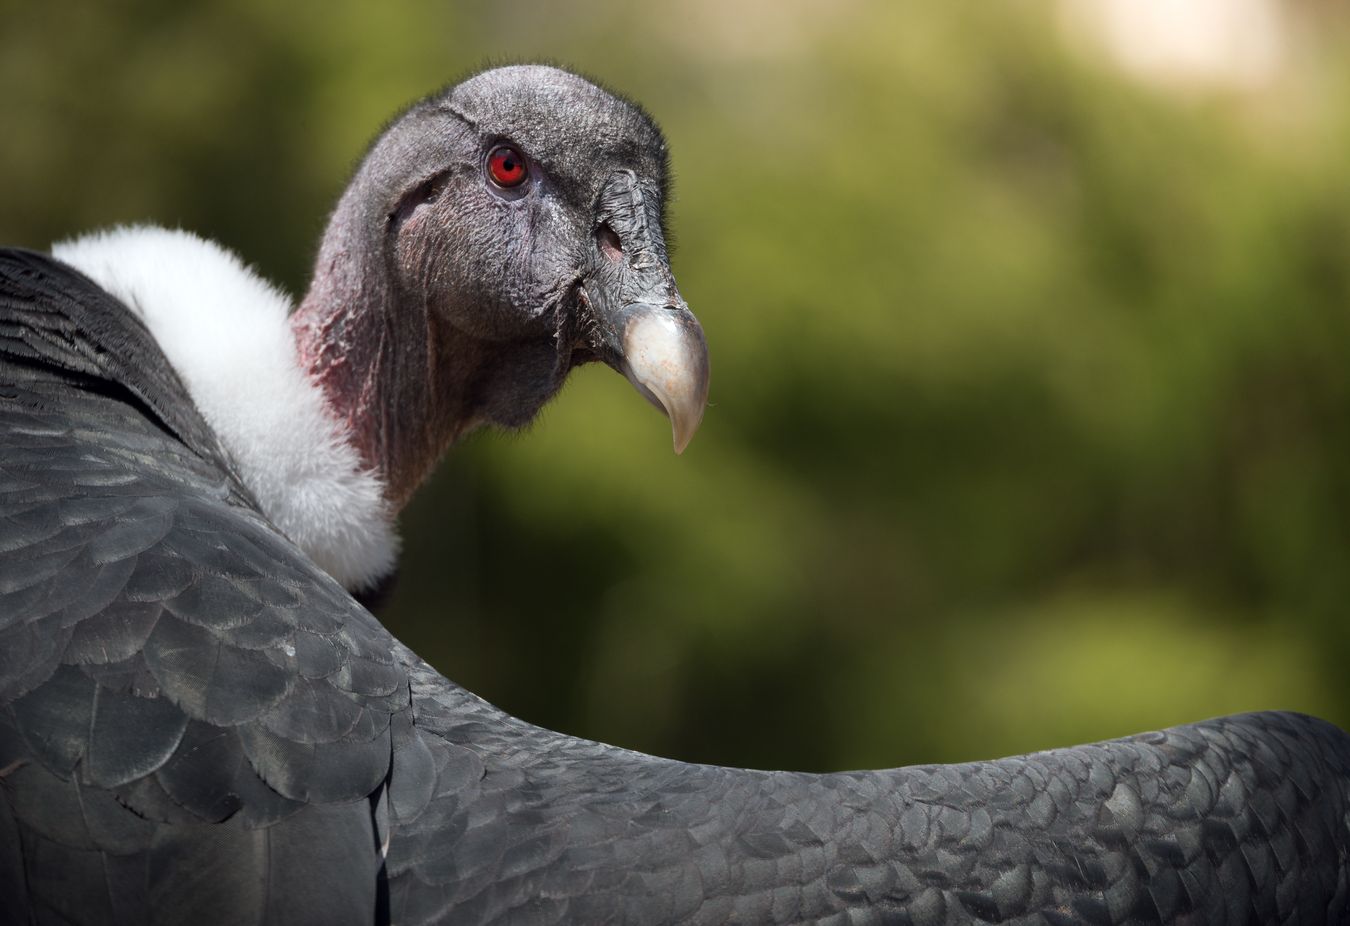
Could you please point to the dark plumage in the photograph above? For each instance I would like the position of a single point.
(198, 725)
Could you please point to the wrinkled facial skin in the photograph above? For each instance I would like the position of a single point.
(516, 269)
(444, 298)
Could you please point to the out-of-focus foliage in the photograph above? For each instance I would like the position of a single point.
(1031, 395)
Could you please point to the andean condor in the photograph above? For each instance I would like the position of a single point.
(199, 725)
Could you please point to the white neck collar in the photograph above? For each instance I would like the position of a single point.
(225, 330)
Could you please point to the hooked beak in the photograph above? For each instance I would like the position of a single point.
(635, 319)
(661, 350)
(665, 356)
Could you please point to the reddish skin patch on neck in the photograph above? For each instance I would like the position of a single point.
(350, 399)
(400, 409)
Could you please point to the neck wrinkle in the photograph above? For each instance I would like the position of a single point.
(380, 366)
(337, 341)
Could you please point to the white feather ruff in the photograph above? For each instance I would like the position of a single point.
(225, 331)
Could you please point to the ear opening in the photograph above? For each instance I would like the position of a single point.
(607, 240)
(426, 192)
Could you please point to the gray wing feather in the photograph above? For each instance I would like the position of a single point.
(185, 700)
(1237, 820)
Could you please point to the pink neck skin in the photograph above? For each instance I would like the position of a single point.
(379, 371)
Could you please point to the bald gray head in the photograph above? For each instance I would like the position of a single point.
(497, 235)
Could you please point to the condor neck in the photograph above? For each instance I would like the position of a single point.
(385, 365)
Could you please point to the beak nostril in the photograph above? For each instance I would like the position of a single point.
(608, 242)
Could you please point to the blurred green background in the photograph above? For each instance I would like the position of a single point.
(1030, 413)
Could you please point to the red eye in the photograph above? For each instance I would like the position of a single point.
(506, 166)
